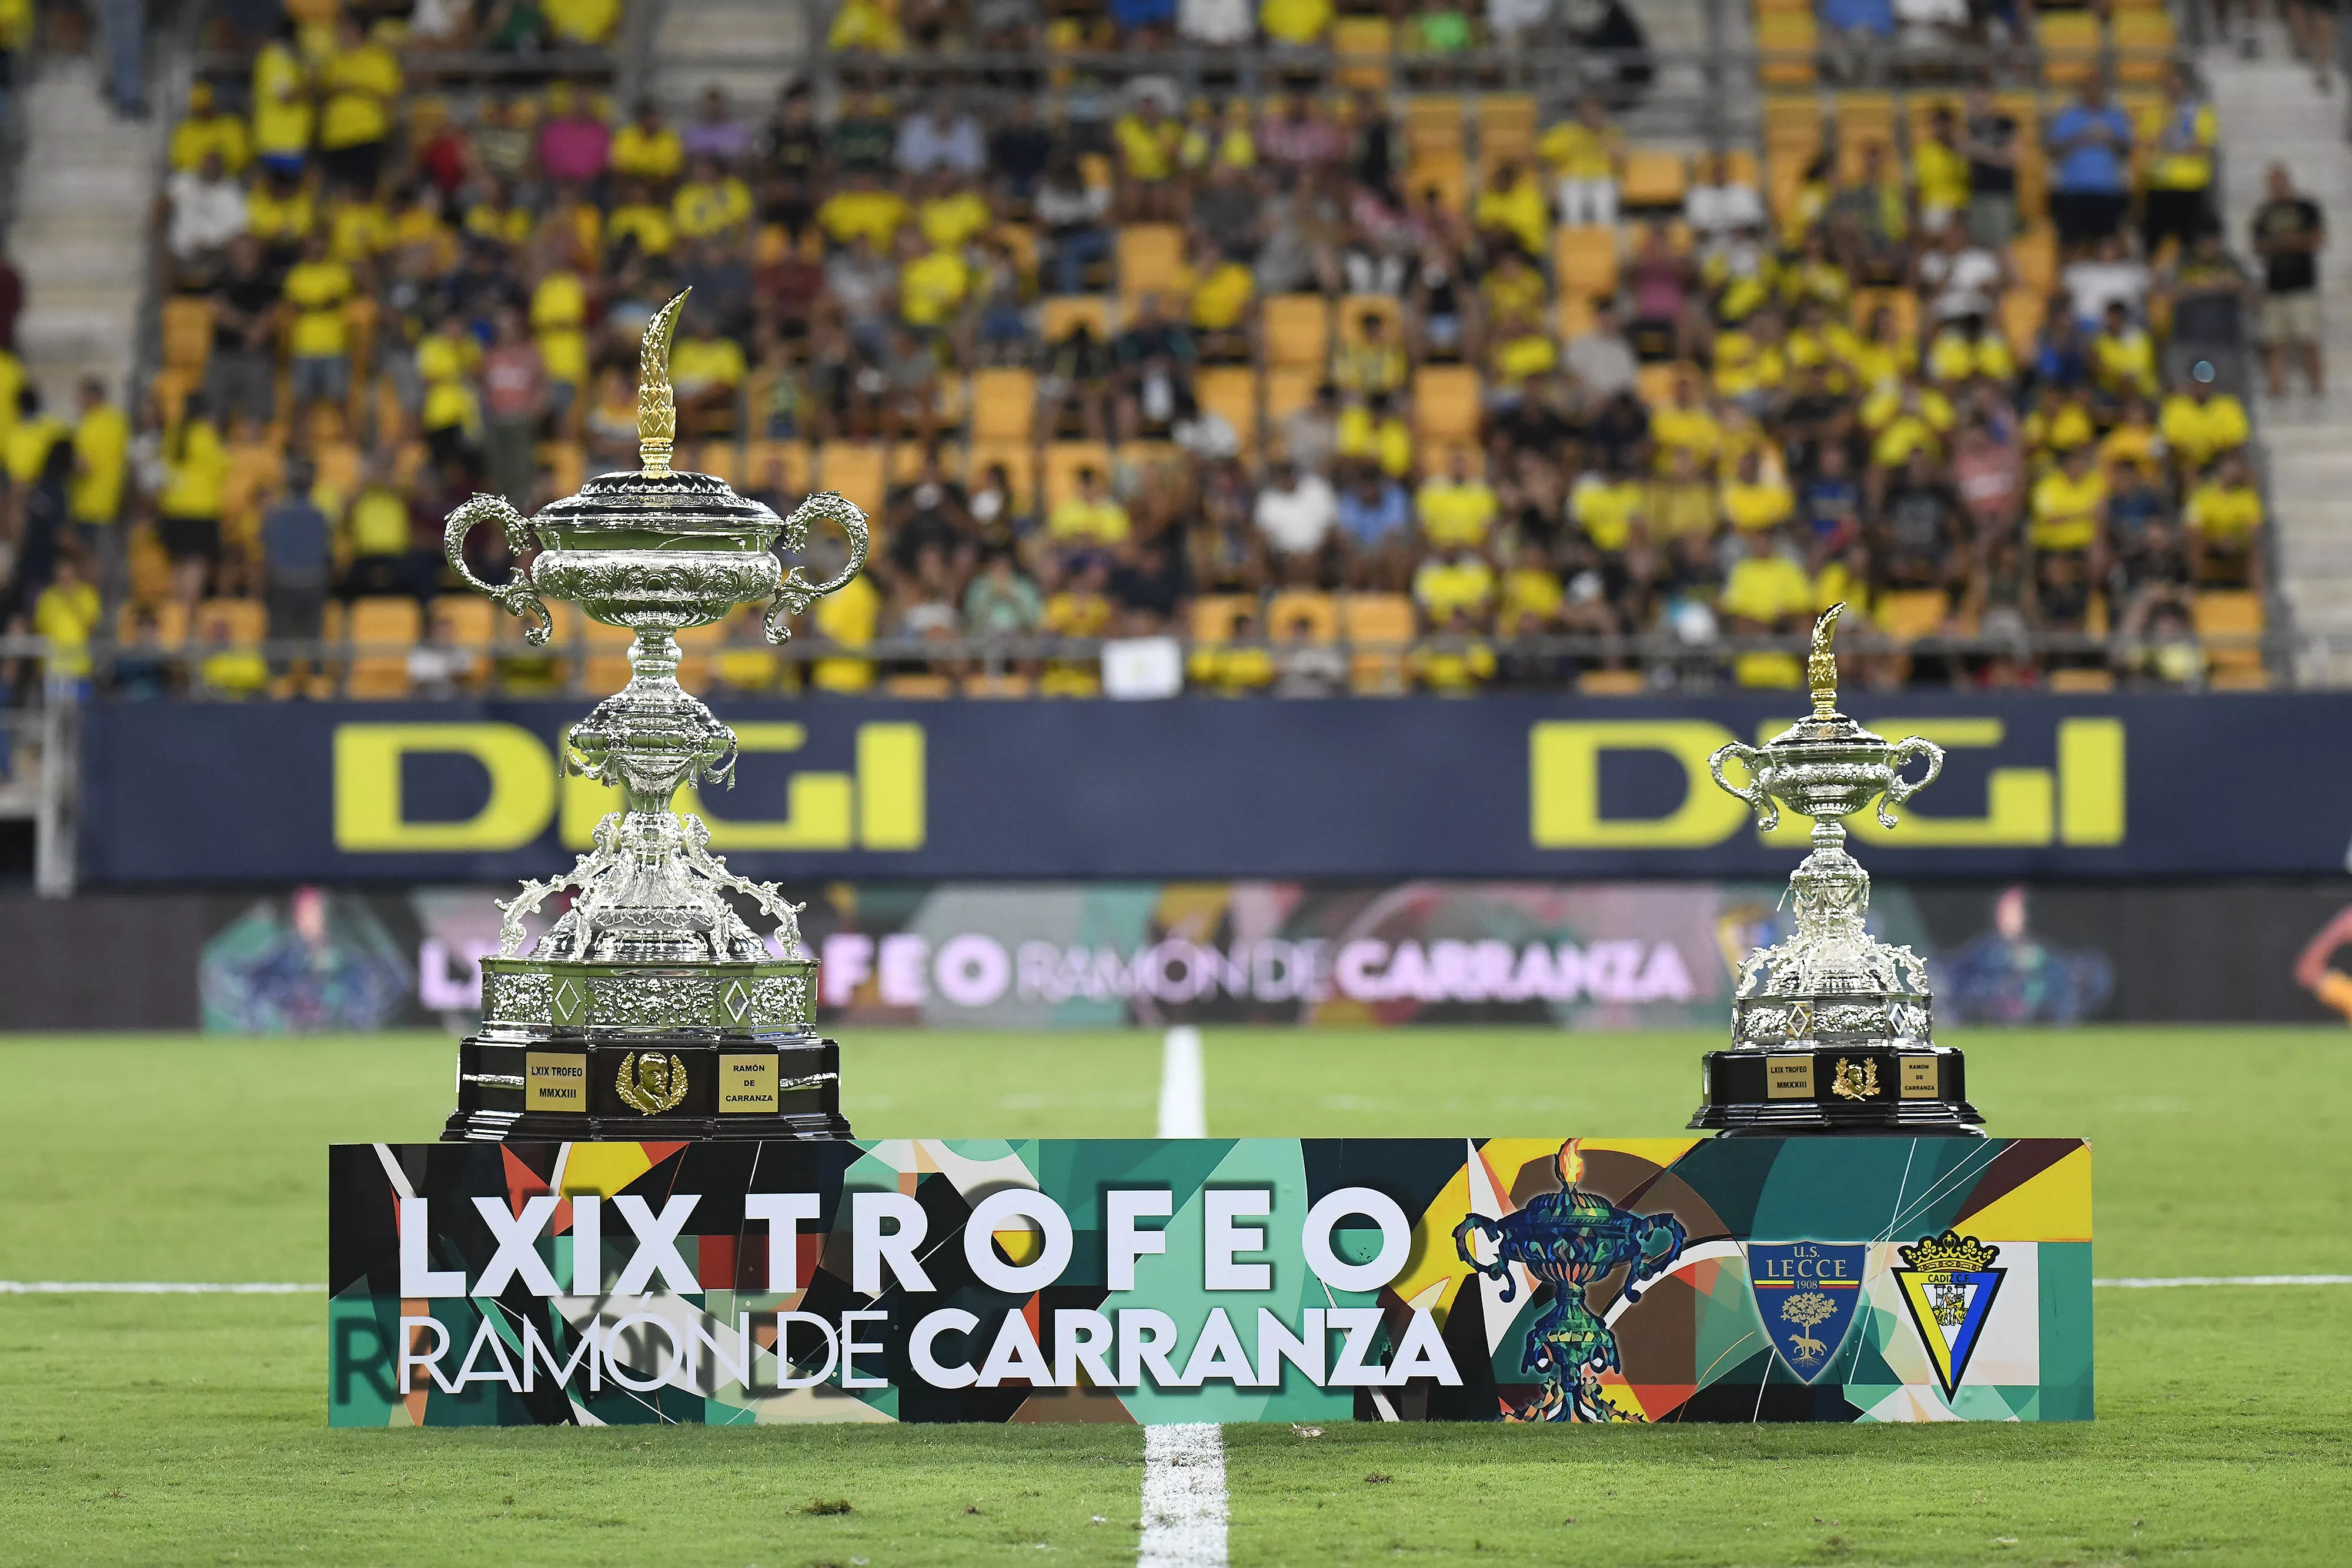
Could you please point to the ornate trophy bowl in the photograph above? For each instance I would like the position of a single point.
(1831, 1029)
(651, 1009)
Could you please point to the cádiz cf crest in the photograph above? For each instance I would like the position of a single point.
(1805, 1292)
(1948, 1282)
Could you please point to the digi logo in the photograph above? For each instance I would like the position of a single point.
(879, 805)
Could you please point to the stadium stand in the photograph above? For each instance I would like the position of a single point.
(1359, 373)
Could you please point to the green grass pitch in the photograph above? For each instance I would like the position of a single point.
(192, 1429)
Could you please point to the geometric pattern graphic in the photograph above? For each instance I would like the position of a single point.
(1155, 1281)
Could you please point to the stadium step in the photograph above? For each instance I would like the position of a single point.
(745, 46)
(81, 229)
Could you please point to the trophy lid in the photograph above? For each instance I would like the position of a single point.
(1824, 725)
(658, 497)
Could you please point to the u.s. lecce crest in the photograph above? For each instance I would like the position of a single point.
(1805, 1292)
(1948, 1282)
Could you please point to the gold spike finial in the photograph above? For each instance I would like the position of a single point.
(1820, 667)
(656, 405)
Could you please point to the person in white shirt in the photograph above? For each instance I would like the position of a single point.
(1295, 512)
(1221, 24)
(207, 212)
(2106, 276)
(1718, 204)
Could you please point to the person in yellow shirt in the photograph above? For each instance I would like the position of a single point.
(1221, 139)
(846, 618)
(1368, 430)
(30, 438)
(1089, 520)
(1237, 664)
(1518, 351)
(188, 511)
(1681, 502)
(1686, 425)
(1754, 501)
(1457, 508)
(1608, 507)
(101, 447)
(280, 213)
(2123, 356)
(868, 27)
(1587, 155)
(1081, 611)
(1147, 141)
(1296, 21)
(646, 149)
(359, 83)
(358, 230)
(1968, 349)
(1906, 420)
(317, 338)
(1511, 210)
(1752, 362)
(1369, 362)
(208, 130)
(1531, 590)
(2059, 425)
(2070, 506)
(2179, 199)
(1222, 290)
(932, 284)
(641, 221)
(282, 112)
(864, 207)
(708, 372)
(581, 24)
(2226, 527)
(711, 203)
(952, 215)
(1453, 582)
(1939, 170)
(2134, 442)
(451, 415)
(2200, 424)
(66, 617)
(1767, 594)
(499, 219)
(1457, 662)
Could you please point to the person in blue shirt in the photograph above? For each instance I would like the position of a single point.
(1376, 515)
(2090, 144)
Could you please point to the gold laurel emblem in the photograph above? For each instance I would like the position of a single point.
(652, 1081)
(1852, 1083)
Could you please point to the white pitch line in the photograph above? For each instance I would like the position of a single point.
(1182, 1114)
(1183, 1497)
(2137, 1284)
(153, 1288)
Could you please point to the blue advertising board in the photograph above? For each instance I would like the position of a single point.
(1551, 787)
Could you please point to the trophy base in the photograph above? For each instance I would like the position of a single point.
(649, 1087)
(1918, 1092)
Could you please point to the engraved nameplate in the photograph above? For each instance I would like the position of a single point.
(1788, 1077)
(555, 1081)
(747, 1084)
(1920, 1078)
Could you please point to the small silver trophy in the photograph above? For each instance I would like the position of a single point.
(651, 1009)
(1831, 1029)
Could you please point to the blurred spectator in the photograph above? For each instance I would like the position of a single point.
(2090, 141)
(296, 552)
(207, 212)
(1295, 513)
(2289, 230)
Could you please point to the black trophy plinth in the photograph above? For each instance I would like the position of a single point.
(1912, 1091)
(643, 1086)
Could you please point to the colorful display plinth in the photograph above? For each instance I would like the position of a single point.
(1834, 1279)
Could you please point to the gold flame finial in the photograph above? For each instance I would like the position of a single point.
(1569, 1162)
(1820, 667)
(656, 405)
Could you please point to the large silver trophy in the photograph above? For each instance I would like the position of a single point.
(1831, 1029)
(650, 1008)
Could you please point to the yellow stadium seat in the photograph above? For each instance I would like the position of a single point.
(1062, 461)
(1003, 405)
(2238, 680)
(1297, 328)
(1792, 124)
(566, 462)
(2033, 255)
(1654, 384)
(187, 332)
(1789, 43)
(1362, 45)
(1231, 392)
(1506, 127)
(1354, 307)
(853, 470)
(170, 621)
(256, 469)
(1912, 614)
(719, 459)
(1584, 260)
(1900, 303)
(2020, 320)
(1213, 615)
(607, 669)
(782, 465)
(1442, 174)
(917, 687)
(1653, 178)
(1095, 168)
(1288, 391)
(1445, 404)
(1739, 165)
(1433, 125)
(2231, 622)
(2082, 682)
(1379, 628)
(2068, 42)
(233, 623)
(382, 629)
(1151, 259)
(1575, 317)
(1286, 609)
(1008, 684)
(1017, 458)
(906, 461)
(339, 466)
(2144, 42)
(1063, 314)
(700, 644)
(464, 621)
(1611, 684)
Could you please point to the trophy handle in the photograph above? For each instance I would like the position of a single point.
(516, 598)
(1767, 810)
(796, 593)
(1899, 788)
